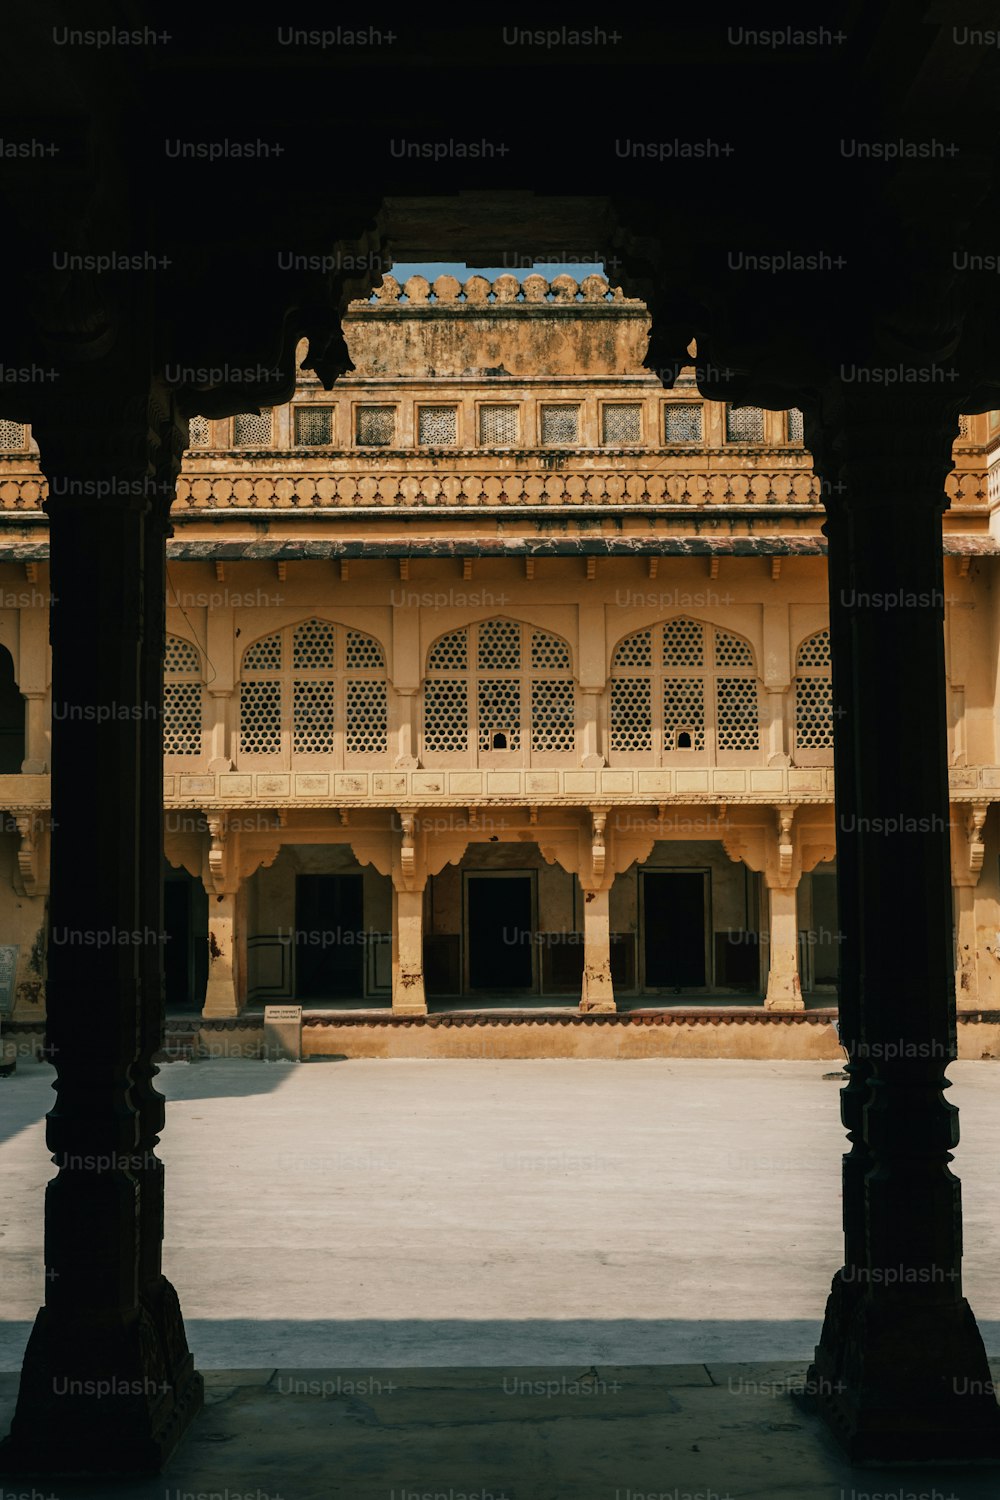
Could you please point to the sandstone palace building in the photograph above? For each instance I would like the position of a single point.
(499, 675)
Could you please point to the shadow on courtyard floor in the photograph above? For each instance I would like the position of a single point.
(601, 1432)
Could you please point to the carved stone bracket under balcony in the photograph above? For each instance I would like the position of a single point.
(975, 818)
(30, 828)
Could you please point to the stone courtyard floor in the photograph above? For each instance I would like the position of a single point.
(526, 1279)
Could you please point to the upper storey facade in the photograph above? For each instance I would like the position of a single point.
(502, 545)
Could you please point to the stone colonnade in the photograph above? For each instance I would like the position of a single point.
(594, 844)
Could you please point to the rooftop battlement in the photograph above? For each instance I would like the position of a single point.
(505, 327)
(507, 291)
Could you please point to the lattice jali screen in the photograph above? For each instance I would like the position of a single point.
(963, 426)
(446, 715)
(683, 710)
(264, 655)
(313, 702)
(363, 652)
(252, 430)
(744, 424)
(709, 701)
(683, 643)
(260, 717)
(313, 426)
(367, 716)
(514, 682)
(437, 426)
(737, 713)
(498, 710)
(621, 424)
(553, 718)
(730, 651)
(498, 425)
(631, 713)
(181, 698)
(12, 435)
(548, 651)
(814, 694)
(199, 432)
(813, 713)
(814, 651)
(796, 427)
(635, 650)
(376, 425)
(560, 424)
(324, 684)
(182, 718)
(313, 644)
(180, 658)
(450, 653)
(499, 645)
(682, 423)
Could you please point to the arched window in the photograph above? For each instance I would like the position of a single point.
(814, 694)
(499, 688)
(683, 687)
(314, 689)
(181, 698)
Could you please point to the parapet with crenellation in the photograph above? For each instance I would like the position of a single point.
(496, 329)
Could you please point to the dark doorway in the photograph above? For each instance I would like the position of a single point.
(11, 716)
(500, 932)
(185, 953)
(674, 923)
(329, 937)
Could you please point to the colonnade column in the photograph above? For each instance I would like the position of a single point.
(408, 996)
(223, 934)
(967, 851)
(108, 1383)
(36, 757)
(596, 876)
(598, 991)
(409, 876)
(900, 1371)
(784, 986)
(33, 669)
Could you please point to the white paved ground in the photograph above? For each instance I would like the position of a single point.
(497, 1213)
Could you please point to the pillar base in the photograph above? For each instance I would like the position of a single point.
(409, 1010)
(902, 1384)
(784, 1002)
(220, 1000)
(97, 1397)
(598, 1007)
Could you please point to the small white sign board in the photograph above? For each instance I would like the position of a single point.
(283, 1032)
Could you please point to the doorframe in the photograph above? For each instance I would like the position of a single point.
(706, 875)
(532, 876)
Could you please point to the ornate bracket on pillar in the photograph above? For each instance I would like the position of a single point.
(218, 861)
(599, 817)
(408, 848)
(786, 848)
(28, 853)
(975, 817)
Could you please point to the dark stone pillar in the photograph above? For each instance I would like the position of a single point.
(107, 1384)
(900, 1370)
